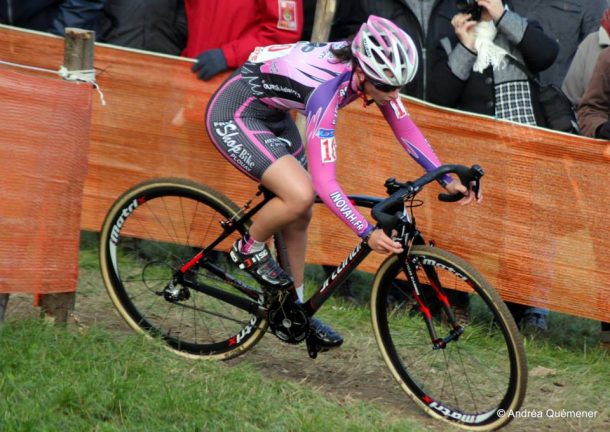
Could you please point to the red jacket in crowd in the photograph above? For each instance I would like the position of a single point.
(239, 26)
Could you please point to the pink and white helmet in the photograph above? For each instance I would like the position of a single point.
(380, 46)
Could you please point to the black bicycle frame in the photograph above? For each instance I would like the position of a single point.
(332, 282)
(253, 306)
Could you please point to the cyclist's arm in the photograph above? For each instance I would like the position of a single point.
(410, 137)
(321, 116)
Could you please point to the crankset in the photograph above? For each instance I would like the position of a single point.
(288, 321)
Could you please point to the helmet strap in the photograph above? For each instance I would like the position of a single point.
(366, 101)
(360, 88)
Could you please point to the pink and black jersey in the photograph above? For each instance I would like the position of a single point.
(254, 103)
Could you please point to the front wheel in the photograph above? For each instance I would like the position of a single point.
(477, 377)
(150, 232)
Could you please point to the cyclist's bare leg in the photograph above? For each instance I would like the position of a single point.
(289, 212)
(295, 239)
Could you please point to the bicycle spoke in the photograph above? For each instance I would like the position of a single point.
(148, 235)
(460, 377)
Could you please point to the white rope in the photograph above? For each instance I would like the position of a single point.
(87, 75)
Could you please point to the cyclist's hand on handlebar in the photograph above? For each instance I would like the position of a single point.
(469, 194)
(379, 242)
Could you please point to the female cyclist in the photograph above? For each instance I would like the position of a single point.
(248, 120)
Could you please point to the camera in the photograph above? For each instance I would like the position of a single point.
(471, 7)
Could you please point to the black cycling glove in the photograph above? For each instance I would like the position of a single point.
(603, 131)
(210, 63)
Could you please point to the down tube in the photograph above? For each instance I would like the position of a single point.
(341, 273)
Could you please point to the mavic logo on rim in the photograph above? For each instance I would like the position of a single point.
(116, 228)
(466, 418)
(430, 261)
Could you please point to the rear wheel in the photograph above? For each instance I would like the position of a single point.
(477, 377)
(150, 232)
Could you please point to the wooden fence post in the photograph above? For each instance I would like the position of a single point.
(78, 56)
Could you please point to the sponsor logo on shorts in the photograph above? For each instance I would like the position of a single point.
(276, 142)
(228, 132)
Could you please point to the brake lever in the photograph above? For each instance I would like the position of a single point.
(473, 174)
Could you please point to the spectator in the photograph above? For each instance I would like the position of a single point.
(594, 120)
(485, 81)
(594, 109)
(566, 21)
(472, 71)
(152, 25)
(581, 68)
(221, 34)
(51, 16)
(426, 21)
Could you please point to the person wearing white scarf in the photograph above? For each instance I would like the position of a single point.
(479, 74)
(480, 67)
(479, 36)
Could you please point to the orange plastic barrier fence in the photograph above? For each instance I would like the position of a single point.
(44, 136)
(540, 236)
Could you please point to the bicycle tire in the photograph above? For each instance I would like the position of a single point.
(476, 380)
(150, 232)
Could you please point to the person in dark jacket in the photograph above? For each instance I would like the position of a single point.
(51, 16)
(568, 22)
(151, 25)
(485, 79)
(475, 70)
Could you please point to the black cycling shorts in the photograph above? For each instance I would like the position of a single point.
(248, 133)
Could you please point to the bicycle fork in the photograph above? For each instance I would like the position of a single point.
(409, 267)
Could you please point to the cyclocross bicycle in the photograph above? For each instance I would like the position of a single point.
(164, 261)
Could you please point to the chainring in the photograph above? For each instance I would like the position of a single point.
(288, 321)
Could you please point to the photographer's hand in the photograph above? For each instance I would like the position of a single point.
(494, 8)
(464, 30)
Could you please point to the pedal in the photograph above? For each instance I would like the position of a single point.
(313, 348)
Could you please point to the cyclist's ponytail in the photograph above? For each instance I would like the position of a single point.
(343, 53)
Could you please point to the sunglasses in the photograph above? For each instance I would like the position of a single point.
(383, 87)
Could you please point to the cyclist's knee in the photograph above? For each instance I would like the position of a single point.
(299, 202)
(302, 201)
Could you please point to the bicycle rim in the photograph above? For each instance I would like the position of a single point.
(148, 234)
(474, 380)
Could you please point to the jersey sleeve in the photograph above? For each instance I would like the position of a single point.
(321, 112)
(410, 137)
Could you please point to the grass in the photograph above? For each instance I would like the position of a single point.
(53, 380)
(99, 379)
